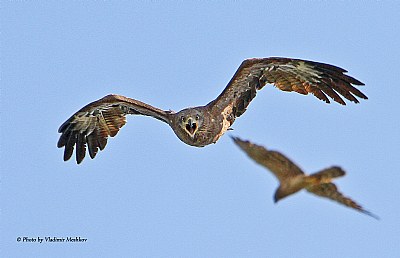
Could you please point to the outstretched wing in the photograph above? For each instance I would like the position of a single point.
(286, 74)
(330, 191)
(326, 175)
(282, 167)
(96, 121)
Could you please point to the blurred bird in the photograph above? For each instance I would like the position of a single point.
(292, 179)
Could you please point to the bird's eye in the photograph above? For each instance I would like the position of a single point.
(182, 118)
(197, 117)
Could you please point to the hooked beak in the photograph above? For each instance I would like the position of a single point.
(191, 127)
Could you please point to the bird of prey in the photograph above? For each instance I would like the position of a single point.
(199, 126)
(292, 179)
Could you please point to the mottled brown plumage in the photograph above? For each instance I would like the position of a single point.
(203, 125)
(292, 179)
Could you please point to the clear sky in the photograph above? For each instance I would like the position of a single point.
(150, 195)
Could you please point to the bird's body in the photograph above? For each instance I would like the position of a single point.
(292, 179)
(203, 125)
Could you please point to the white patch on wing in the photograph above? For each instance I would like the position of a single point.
(225, 123)
(301, 70)
(307, 69)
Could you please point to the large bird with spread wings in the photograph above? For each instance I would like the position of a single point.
(91, 126)
(292, 179)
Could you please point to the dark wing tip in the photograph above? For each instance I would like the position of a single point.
(370, 214)
(339, 171)
(62, 141)
(353, 80)
(80, 148)
(335, 82)
(235, 138)
(241, 143)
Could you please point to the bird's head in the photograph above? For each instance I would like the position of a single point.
(189, 120)
(280, 194)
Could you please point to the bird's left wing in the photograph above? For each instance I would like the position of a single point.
(287, 74)
(92, 124)
(281, 166)
(330, 191)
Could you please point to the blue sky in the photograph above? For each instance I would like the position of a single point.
(148, 194)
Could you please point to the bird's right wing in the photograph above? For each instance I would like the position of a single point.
(330, 191)
(92, 124)
(276, 162)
